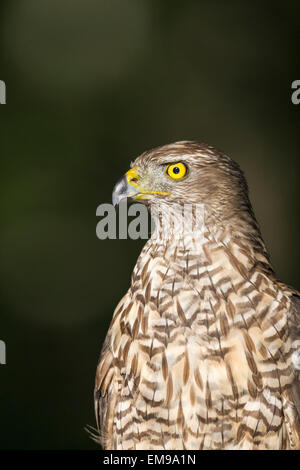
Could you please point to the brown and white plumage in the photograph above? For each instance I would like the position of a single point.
(203, 350)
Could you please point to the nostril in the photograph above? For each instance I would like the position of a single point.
(133, 180)
(133, 177)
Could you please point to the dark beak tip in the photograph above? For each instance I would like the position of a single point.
(120, 191)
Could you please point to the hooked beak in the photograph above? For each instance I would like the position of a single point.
(129, 187)
(123, 190)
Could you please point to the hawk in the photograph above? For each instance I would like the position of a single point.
(203, 351)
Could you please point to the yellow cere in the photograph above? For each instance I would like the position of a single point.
(134, 180)
(133, 177)
(176, 170)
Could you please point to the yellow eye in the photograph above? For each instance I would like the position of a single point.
(176, 170)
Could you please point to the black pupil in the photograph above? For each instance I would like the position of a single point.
(176, 170)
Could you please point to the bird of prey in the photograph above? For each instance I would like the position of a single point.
(203, 351)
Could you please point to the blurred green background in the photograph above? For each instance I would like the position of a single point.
(90, 85)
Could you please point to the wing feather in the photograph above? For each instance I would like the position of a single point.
(104, 396)
(293, 394)
(106, 391)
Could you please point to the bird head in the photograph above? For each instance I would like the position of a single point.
(186, 172)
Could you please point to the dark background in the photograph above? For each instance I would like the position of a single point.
(90, 85)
